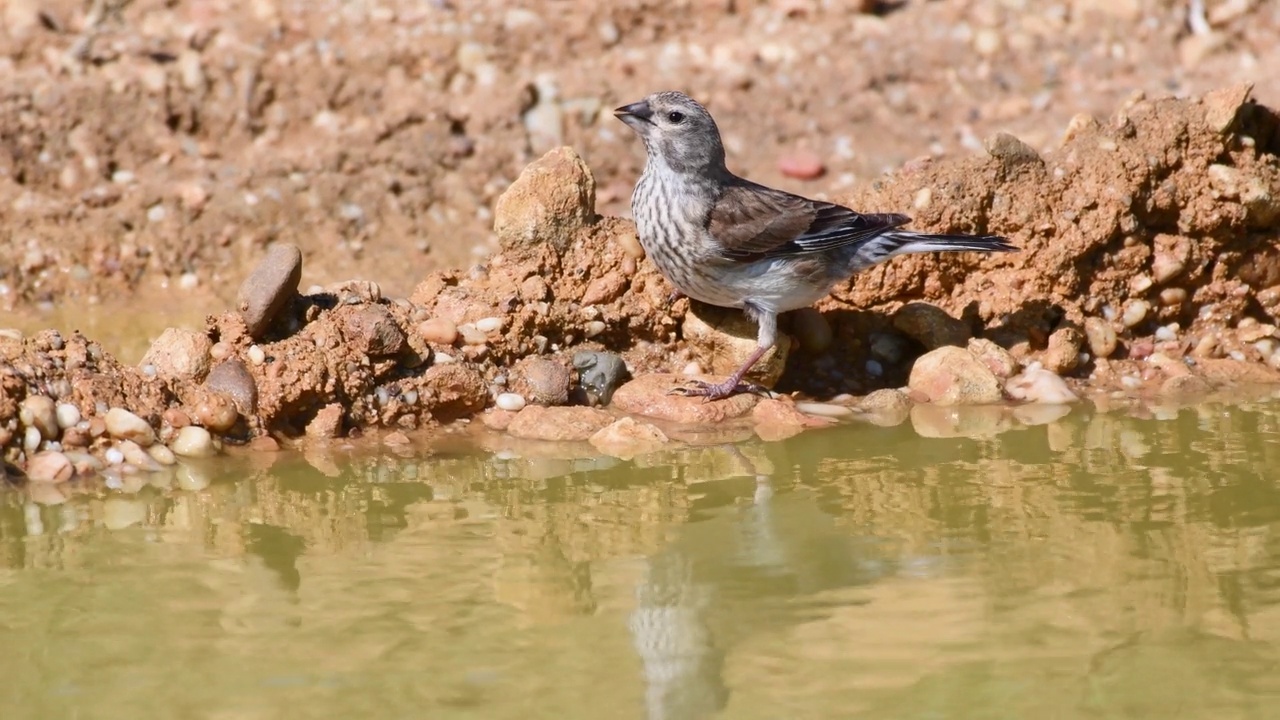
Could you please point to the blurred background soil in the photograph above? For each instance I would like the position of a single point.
(150, 150)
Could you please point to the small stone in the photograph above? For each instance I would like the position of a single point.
(472, 335)
(801, 165)
(513, 402)
(604, 289)
(193, 441)
(1011, 151)
(327, 423)
(999, 361)
(269, 287)
(824, 410)
(889, 348)
(1135, 311)
(886, 407)
(1101, 337)
(533, 289)
(627, 438)
(650, 396)
(1038, 385)
(1063, 354)
(175, 418)
(930, 326)
(233, 379)
(161, 454)
(40, 412)
(49, 467)
(594, 328)
(489, 324)
(599, 374)
(31, 439)
(124, 425)
(137, 457)
(256, 355)
(438, 331)
(541, 381)
(953, 376)
(552, 199)
(373, 331)
(536, 422)
(1170, 257)
(812, 329)
(1184, 385)
(215, 411)
(68, 415)
(1222, 106)
(630, 244)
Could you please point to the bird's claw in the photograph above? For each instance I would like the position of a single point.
(717, 391)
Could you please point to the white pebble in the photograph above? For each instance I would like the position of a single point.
(193, 441)
(472, 335)
(489, 324)
(510, 401)
(1237, 355)
(256, 355)
(1167, 332)
(68, 415)
(124, 425)
(693, 368)
(188, 281)
(156, 213)
(594, 328)
(1131, 382)
(161, 454)
(30, 439)
(1135, 312)
(114, 456)
(137, 457)
(442, 358)
(824, 409)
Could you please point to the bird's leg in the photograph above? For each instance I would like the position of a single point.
(673, 296)
(765, 339)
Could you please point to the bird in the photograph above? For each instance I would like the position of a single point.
(726, 241)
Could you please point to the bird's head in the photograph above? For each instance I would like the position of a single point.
(676, 129)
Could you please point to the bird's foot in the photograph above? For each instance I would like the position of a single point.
(718, 391)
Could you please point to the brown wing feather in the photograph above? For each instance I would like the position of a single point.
(752, 221)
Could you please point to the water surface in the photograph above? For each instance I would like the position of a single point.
(1101, 566)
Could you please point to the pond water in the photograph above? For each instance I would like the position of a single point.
(1101, 566)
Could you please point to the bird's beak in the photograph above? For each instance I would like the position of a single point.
(635, 114)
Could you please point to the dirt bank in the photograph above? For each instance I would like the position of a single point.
(1148, 269)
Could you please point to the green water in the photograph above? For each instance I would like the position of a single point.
(1102, 566)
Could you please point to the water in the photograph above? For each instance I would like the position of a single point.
(1101, 566)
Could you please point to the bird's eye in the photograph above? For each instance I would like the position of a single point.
(675, 117)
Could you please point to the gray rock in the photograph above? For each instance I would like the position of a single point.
(373, 331)
(931, 326)
(599, 374)
(233, 379)
(269, 287)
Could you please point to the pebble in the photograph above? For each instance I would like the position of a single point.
(256, 355)
(541, 381)
(1167, 332)
(812, 329)
(1173, 297)
(513, 402)
(161, 454)
(1101, 337)
(114, 456)
(472, 335)
(594, 328)
(489, 324)
(233, 379)
(824, 409)
(1038, 385)
(193, 441)
(268, 288)
(599, 374)
(49, 467)
(439, 331)
(124, 425)
(137, 457)
(931, 326)
(801, 165)
(1135, 311)
(68, 415)
(39, 411)
(216, 411)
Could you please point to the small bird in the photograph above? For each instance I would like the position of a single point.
(726, 241)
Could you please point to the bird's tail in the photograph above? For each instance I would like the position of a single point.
(903, 242)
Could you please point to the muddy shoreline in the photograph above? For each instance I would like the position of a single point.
(1149, 270)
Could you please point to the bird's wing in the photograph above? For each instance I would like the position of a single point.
(751, 221)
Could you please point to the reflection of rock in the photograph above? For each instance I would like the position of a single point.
(936, 421)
